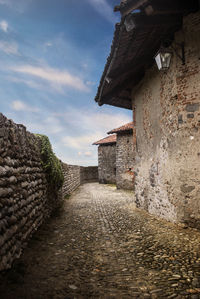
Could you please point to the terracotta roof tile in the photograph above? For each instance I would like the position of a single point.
(126, 127)
(106, 140)
(125, 3)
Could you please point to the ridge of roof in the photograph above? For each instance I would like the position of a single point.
(106, 140)
(126, 127)
(126, 5)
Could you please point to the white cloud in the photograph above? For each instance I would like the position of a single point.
(48, 44)
(90, 83)
(85, 66)
(5, 2)
(17, 5)
(21, 106)
(29, 83)
(80, 142)
(95, 121)
(106, 121)
(53, 125)
(4, 26)
(9, 48)
(50, 126)
(57, 78)
(87, 154)
(104, 9)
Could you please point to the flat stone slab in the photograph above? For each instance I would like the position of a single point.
(102, 246)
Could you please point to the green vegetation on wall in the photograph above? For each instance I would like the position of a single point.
(51, 163)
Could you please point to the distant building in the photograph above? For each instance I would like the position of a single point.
(107, 159)
(165, 99)
(124, 156)
(116, 158)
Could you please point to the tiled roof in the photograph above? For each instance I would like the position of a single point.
(127, 127)
(123, 4)
(107, 140)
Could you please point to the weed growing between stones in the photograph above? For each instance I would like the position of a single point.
(51, 164)
(112, 185)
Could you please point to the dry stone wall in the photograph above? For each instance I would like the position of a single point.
(89, 174)
(75, 175)
(125, 161)
(168, 133)
(107, 164)
(25, 200)
(72, 178)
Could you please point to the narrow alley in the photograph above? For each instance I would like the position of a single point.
(101, 246)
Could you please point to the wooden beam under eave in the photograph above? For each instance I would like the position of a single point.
(157, 20)
(171, 7)
(132, 6)
(131, 66)
(131, 80)
(119, 102)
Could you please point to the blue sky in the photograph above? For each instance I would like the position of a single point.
(52, 55)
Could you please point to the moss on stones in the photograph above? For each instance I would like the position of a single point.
(51, 164)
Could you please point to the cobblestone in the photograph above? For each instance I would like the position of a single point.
(102, 246)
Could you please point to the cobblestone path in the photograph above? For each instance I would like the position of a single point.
(101, 246)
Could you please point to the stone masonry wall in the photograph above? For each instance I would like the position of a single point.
(24, 196)
(125, 161)
(89, 174)
(75, 175)
(107, 164)
(167, 106)
(72, 178)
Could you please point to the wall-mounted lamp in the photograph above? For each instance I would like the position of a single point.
(129, 23)
(163, 58)
(164, 55)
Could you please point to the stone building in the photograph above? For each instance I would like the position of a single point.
(107, 159)
(124, 156)
(166, 104)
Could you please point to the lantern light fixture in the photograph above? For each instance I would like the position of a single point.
(164, 55)
(129, 23)
(163, 58)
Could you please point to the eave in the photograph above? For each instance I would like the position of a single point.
(109, 140)
(133, 52)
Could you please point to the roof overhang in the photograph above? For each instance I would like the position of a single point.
(129, 6)
(132, 52)
(109, 140)
(127, 128)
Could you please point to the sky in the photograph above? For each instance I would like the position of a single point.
(52, 55)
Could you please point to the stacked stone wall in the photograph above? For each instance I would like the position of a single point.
(72, 178)
(89, 174)
(25, 200)
(125, 161)
(75, 175)
(168, 133)
(107, 164)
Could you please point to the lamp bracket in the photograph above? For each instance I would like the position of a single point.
(182, 56)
